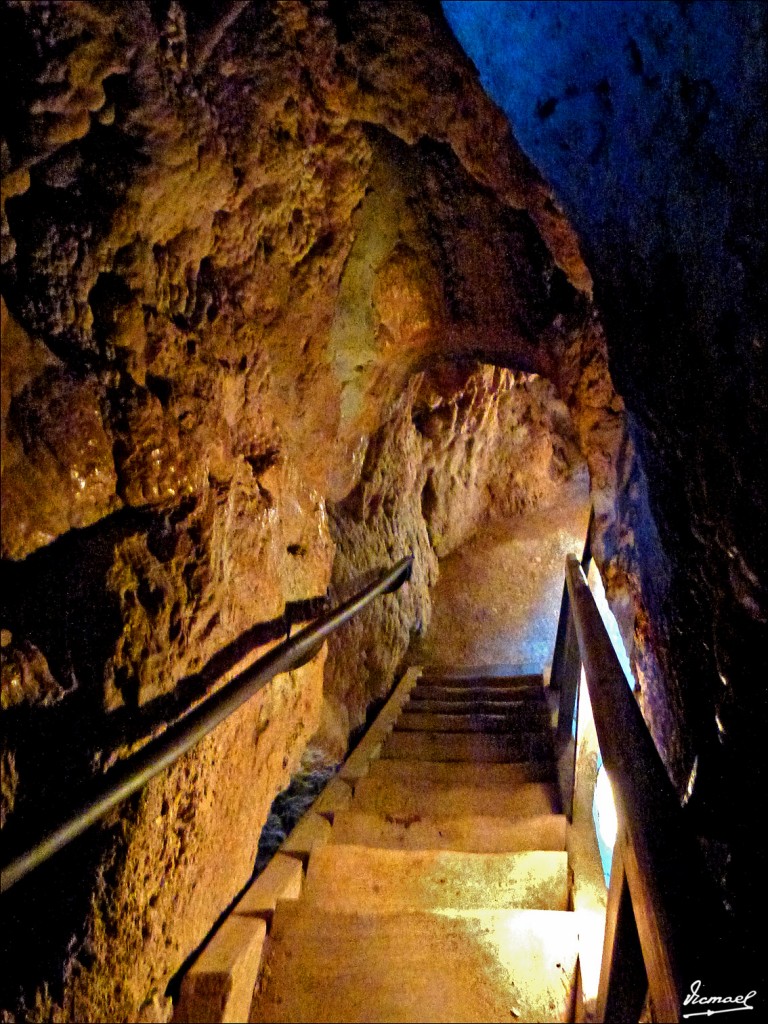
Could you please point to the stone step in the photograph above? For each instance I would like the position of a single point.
(436, 691)
(462, 774)
(473, 833)
(535, 710)
(463, 746)
(489, 966)
(218, 987)
(505, 670)
(414, 720)
(369, 746)
(482, 679)
(427, 798)
(360, 878)
(281, 879)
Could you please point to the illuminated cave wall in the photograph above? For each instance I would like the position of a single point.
(648, 120)
(237, 242)
(247, 252)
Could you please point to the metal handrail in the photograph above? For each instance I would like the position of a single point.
(133, 773)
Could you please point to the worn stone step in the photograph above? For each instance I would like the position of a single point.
(427, 797)
(533, 680)
(471, 832)
(281, 879)
(462, 774)
(535, 710)
(435, 691)
(352, 878)
(463, 746)
(369, 746)
(415, 720)
(218, 987)
(505, 670)
(312, 830)
(485, 966)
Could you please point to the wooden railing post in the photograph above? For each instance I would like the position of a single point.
(623, 981)
(679, 921)
(565, 677)
(556, 676)
(566, 646)
(569, 675)
(646, 805)
(565, 736)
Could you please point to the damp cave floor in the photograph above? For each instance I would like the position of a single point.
(497, 598)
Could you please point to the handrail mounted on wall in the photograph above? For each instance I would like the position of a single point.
(133, 773)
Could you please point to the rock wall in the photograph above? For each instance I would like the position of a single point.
(649, 121)
(465, 444)
(231, 238)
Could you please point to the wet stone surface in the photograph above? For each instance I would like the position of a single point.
(497, 599)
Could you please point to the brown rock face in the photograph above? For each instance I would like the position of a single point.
(58, 470)
(667, 189)
(464, 445)
(244, 250)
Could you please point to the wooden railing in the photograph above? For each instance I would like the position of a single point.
(663, 919)
(133, 774)
(566, 669)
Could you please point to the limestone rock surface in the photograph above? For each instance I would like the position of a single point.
(465, 445)
(242, 246)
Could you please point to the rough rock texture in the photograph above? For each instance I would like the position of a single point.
(649, 120)
(231, 237)
(161, 867)
(465, 444)
(499, 594)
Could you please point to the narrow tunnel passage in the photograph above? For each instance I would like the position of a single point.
(293, 289)
(497, 596)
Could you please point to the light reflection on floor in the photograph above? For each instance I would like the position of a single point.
(497, 599)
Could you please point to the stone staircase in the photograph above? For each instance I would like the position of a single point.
(437, 883)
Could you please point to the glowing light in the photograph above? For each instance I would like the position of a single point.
(606, 809)
(691, 781)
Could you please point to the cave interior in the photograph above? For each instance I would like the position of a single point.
(291, 290)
